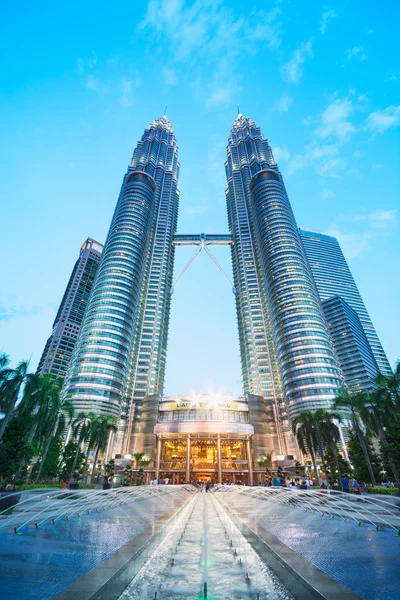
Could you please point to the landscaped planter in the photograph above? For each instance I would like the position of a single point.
(73, 486)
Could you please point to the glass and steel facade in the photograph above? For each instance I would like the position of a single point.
(286, 352)
(352, 348)
(121, 350)
(333, 277)
(59, 348)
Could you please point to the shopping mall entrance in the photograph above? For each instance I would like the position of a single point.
(199, 458)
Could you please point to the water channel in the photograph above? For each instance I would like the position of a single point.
(205, 556)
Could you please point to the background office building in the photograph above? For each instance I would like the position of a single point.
(332, 277)
(58, 351)
(352, 348)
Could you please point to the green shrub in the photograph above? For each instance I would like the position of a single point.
(383, 491)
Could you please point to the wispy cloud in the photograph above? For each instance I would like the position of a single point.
(326, 194)
(16, 312)
(356, 52)
(207, 38)
(92, 83)
(170, 77)
(352, 244)
(391, 77)
(281, 153)
(335, 120)
(375, 225)
(292, 71)
(328, 14)
(211, 27)
(221, 96)
(325, 159)
(381, 120)
(127, 88)
(379, 219)
(87, 63)
(284, 103)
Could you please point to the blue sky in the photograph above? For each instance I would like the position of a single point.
(80, 82)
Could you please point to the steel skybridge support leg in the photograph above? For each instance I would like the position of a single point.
(211, 255)
(199, 249)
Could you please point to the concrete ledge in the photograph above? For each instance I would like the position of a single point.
(112, 576)
(302, 579)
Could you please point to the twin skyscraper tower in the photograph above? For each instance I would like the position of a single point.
(289, 363)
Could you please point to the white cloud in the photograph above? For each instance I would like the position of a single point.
(326, 160)
(352, 244)
(92, 83)
(127, 87)
(170, 77)
(381, 120)
(88, 63)
(81, 65)
(329, 14)
(377, 166)
(391, 78)
(281, 153)
(335, 120)
(207, 37)
(357, 51)
(221, 96)
(284, 103)
(326, 194)
(379, 219)
(358, 154)
(211, 27)
(292, 71)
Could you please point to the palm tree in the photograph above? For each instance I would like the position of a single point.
(304, 428)
(356, 403)
(328, 433)
(389, 387)
(102, 427)
(138, 457)
(4, 362)
(81, 429)
(375, 415)
(11, 384)
(59, 414)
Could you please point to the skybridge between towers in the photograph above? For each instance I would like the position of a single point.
(202, 241)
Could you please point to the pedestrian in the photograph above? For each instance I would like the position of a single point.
(345, 484)
(64, 485)
(322, 489)
(356, 486)
(276, 482)
(166, 480)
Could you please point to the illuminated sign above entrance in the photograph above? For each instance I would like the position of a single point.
(204, 405)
